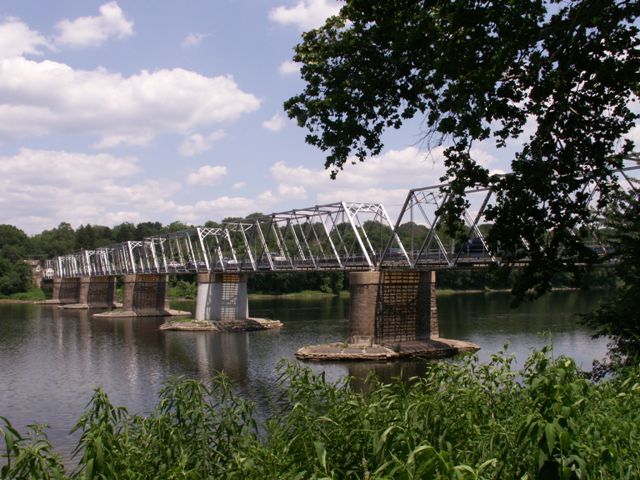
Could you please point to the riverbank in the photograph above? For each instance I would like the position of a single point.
(31, 297)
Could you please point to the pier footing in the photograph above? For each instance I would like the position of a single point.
(246, 325)
(433, 348)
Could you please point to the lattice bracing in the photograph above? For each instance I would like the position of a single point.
(335, 236)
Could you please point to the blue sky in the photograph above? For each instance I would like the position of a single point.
(162, 110)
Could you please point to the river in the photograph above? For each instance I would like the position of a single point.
(51, 359)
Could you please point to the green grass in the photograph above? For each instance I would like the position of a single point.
(461, 420)
(33, 294)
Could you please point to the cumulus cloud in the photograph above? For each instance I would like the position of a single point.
(41, 188)
(111, 141)
(93, 31)
(385, 179)
(289, 68)
(292, 191)
(207, 175)
(17, 39)
(239, 185)
(198, 143)
(63, 168)
(194, 39)
(38, 98)
(275, 123)
(306, 14)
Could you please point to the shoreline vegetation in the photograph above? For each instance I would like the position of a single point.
(463, 420)
(36, 295)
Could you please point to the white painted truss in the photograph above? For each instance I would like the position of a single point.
(337, 236)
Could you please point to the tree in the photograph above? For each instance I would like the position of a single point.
(124, 231)
(15, 245)
(85, 237)
(57, 241)
(619, 317)
(479, 71)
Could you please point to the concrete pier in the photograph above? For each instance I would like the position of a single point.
(391, 315)
(222, 297)
(222, 304)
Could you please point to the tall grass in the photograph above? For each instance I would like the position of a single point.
(458, 421)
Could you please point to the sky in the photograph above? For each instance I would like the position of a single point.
(156, 110)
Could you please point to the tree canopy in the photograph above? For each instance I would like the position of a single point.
(483, 71)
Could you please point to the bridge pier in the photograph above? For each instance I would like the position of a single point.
(392, 307)
(65, 291)
(222, 304)
(222, 297)
(145, 295)
(391, 315)
(95, 292)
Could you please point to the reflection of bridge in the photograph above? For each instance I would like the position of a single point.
(391, 278)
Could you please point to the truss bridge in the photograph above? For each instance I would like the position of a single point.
(391, 265)
(338, 236)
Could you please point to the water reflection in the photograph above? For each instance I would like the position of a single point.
(203, 353)
(50, 359)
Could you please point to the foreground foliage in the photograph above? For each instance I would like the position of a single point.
(552, 80)
(460, 421)
(619, 317)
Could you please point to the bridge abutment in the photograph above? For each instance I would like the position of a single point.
(391, 315)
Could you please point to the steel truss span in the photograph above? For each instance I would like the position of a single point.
(338, 236)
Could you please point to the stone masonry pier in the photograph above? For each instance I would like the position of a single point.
(391, 315)
(145, 295)
(95, 292)
(65, 291)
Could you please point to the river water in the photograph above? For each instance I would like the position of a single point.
(51, 359)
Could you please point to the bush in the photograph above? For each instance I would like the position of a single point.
(460, 420)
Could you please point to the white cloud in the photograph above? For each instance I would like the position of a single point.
(93, 31)
(193, 39)
(289, 68)
(39, 98)
(386, 179)
(49, 167)
(275, 123)
(207, 175)
(17, 39)
(111, 141)
(239, 185)
(306, 14)
(198, 143)
(41, 188)
(292, 191)
(409, 166)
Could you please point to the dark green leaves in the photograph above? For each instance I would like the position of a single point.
(477, 71)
